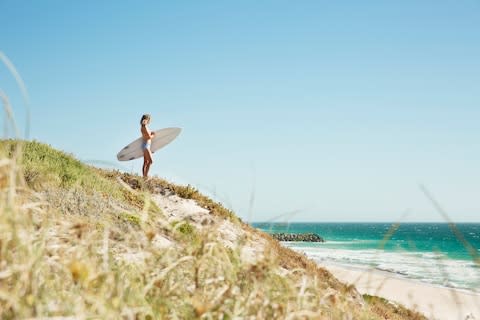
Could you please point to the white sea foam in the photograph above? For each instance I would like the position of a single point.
(431, 267)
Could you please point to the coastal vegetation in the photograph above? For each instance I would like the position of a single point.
(83, 242)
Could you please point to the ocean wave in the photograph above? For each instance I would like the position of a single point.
(391, 270)
(430, 267)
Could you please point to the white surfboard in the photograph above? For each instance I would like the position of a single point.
(161, 138)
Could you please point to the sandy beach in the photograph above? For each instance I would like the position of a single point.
(435, 302)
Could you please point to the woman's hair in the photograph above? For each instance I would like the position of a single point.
(144, 117)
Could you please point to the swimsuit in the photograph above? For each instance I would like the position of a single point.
(146, 145)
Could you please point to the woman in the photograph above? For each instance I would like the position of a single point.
(147, 142)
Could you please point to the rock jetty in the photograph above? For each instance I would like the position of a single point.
(306, 237)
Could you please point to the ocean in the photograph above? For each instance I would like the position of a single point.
(434, 253)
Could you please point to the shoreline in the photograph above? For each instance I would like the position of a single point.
(397, 275)
(457, 273)
(434, 301)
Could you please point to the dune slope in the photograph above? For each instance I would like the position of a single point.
(81, 242)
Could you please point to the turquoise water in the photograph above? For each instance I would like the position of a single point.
(435, 253)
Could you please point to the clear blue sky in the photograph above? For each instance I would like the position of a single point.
(335, 110)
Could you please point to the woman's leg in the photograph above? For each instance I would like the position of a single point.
(147, 161)
(144, 166)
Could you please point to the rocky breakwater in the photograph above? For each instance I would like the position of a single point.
(306, 237)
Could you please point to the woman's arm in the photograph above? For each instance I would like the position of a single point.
(150, 133)
(146, 133)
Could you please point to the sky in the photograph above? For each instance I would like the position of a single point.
(291, 110)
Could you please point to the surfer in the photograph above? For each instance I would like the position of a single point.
(147, 142)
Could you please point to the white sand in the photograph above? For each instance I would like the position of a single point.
(433, 301)
(231, 235)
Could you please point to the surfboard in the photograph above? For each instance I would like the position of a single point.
(161, 139)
